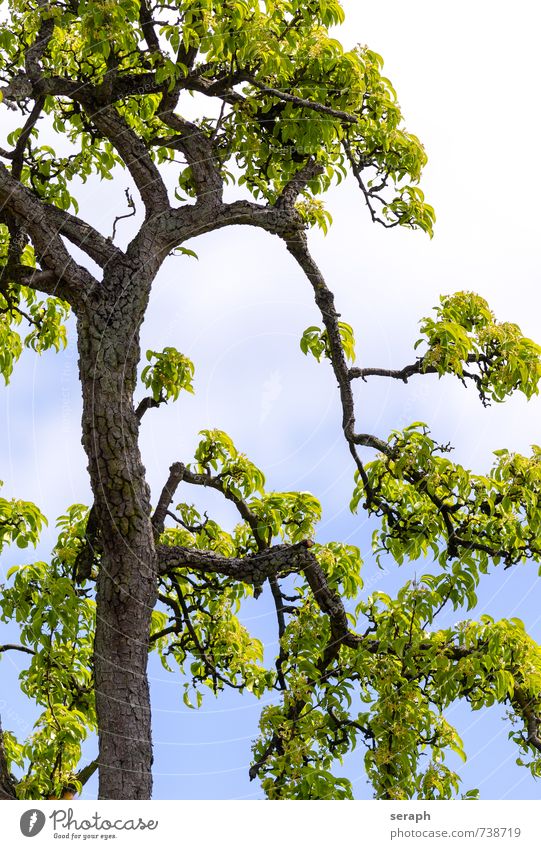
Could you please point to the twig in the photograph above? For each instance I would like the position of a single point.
(131, 205)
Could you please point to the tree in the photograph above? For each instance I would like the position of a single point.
(106, 84)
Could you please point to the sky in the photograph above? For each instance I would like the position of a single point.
(466, 77)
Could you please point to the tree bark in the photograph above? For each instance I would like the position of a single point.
(108, 339)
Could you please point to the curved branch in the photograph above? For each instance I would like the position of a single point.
(176, 474)
(36, 51)
(16, 647)
(297, 245)
(278, 560)
(147, 25)
(98, 105)
(84, 236)
(18, 151)
(73, 282)
(199, 152)
(178, 225)
(219, 484)
(369, 194)
(253, 569)
(298, 183)
(369, 441)
(347, 117)
(146, 403)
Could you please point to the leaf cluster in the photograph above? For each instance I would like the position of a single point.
(316, 341)
(57, 623)
(465, 332)
(167, 373)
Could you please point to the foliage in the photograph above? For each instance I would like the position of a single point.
(56, 622)
(168, 374)
(17, 303)
(466, 331)
(20, 522)
(438, 507)
(316, 341)
(283, 46)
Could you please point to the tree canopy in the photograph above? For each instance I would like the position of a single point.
(284, 111)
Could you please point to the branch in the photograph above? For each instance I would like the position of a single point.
(278, 560)
(35, 52)
(182, 616)
(398, 374)
(171, 629)
(331, 603)
(298, 183)
(369, 194)
(369, 441)
(118, 218)
(419, 367)
(328, 601)
(220, 485)
(178, 225)
(148, 402)
(176, 474)
(18, 152)
(16, 647)
(73, 282)
(84, 775)
(84, 236)
(87, 772)
(199, 152)
(133, 152)
(279, 606)
(298, 247)
(348, 117)
(523, 706)
(253, 569)
(324, 298)
(221, 87)
(207, 659)
(147, 26)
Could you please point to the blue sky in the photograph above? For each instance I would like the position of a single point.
(467, 82)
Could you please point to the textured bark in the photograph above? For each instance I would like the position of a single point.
(108, 335)
(253, 569)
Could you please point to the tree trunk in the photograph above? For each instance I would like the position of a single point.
(108, 339)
